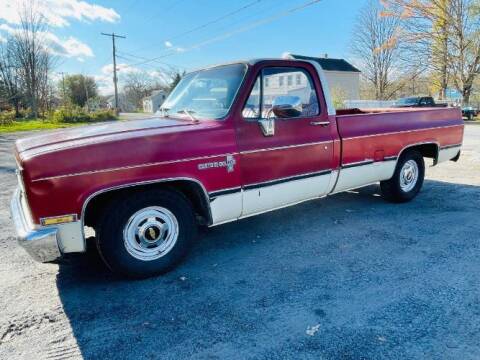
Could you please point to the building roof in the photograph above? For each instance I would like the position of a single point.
(328, 64)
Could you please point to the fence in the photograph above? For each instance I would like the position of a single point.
(367, 104)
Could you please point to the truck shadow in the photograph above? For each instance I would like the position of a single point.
(251, 288)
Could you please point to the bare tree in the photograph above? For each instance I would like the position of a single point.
(137, 86)
(464, 45)
(9, 76)
(375, 44)
(31, 53)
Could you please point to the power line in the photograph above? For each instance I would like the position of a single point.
(144, 58)
(163, 73)
(166, 10)
(223, 17)
(207, 24)
(248, 27)
(113, 36)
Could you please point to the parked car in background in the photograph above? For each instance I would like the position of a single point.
(418, 101)
(232, 141)
(469, 112)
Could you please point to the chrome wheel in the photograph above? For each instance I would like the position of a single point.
(150, 233)
(409, 175)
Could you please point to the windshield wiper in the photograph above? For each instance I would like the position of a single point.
(189, 113)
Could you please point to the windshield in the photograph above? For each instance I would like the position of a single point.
(205, 94)
(408, 101)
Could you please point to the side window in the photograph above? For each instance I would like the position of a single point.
(303, 88)
(273, 85)
(252, 107)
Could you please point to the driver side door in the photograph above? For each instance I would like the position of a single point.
(292, 161)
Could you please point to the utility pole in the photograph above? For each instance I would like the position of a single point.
(86, 91)
(113, 36)
(63, 87)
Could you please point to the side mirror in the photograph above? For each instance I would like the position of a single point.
(287, 107)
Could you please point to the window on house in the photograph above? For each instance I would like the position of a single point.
(289, 80)
(280, 80)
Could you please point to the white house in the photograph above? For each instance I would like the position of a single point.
(123, 104)
(153, 102)
(343, 78)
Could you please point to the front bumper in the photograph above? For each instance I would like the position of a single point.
(40, 242)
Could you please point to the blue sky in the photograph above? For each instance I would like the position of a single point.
(153, 28)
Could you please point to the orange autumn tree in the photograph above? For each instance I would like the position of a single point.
(444, 37)
(424, 34)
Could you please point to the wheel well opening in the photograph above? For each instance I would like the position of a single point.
(192, 191)
(427, 150)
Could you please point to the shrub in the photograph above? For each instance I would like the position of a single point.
(7, 117)
(74, 114)
(103, 115)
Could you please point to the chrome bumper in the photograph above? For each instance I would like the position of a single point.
(41, 243)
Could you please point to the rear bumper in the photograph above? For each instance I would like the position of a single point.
(40, 242)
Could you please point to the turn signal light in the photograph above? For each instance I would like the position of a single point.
(58, 220)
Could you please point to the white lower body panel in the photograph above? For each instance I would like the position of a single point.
(265, 197)
(226, 208)
(271, 197)
(358, 176)
(448, 154)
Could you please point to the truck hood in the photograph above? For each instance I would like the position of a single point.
(74, 137)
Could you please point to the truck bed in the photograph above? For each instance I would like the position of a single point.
(373, 139)
(377, 134)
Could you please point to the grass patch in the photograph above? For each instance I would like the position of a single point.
(30, 125)
(62, 117)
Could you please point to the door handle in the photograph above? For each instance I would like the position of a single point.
(320, 123)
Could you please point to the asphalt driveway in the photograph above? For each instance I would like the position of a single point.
(349, 276)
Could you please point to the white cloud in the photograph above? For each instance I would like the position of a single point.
(122, 67)
(57, 12)
(2, 39)
(70, 47)
(169, 45)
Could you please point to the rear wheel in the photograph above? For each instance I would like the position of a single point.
(147, 233)
(407, 179)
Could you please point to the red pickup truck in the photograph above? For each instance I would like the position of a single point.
(231, 141)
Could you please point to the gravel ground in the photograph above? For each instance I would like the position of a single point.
(349, 276)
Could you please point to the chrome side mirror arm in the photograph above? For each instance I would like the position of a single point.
(267, 126)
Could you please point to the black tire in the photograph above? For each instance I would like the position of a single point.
(110, 238)
(470, 116)
(392, 190)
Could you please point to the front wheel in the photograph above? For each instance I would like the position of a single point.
(407, 179)
(146, 233)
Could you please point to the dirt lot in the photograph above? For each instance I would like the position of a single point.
(350, 276)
